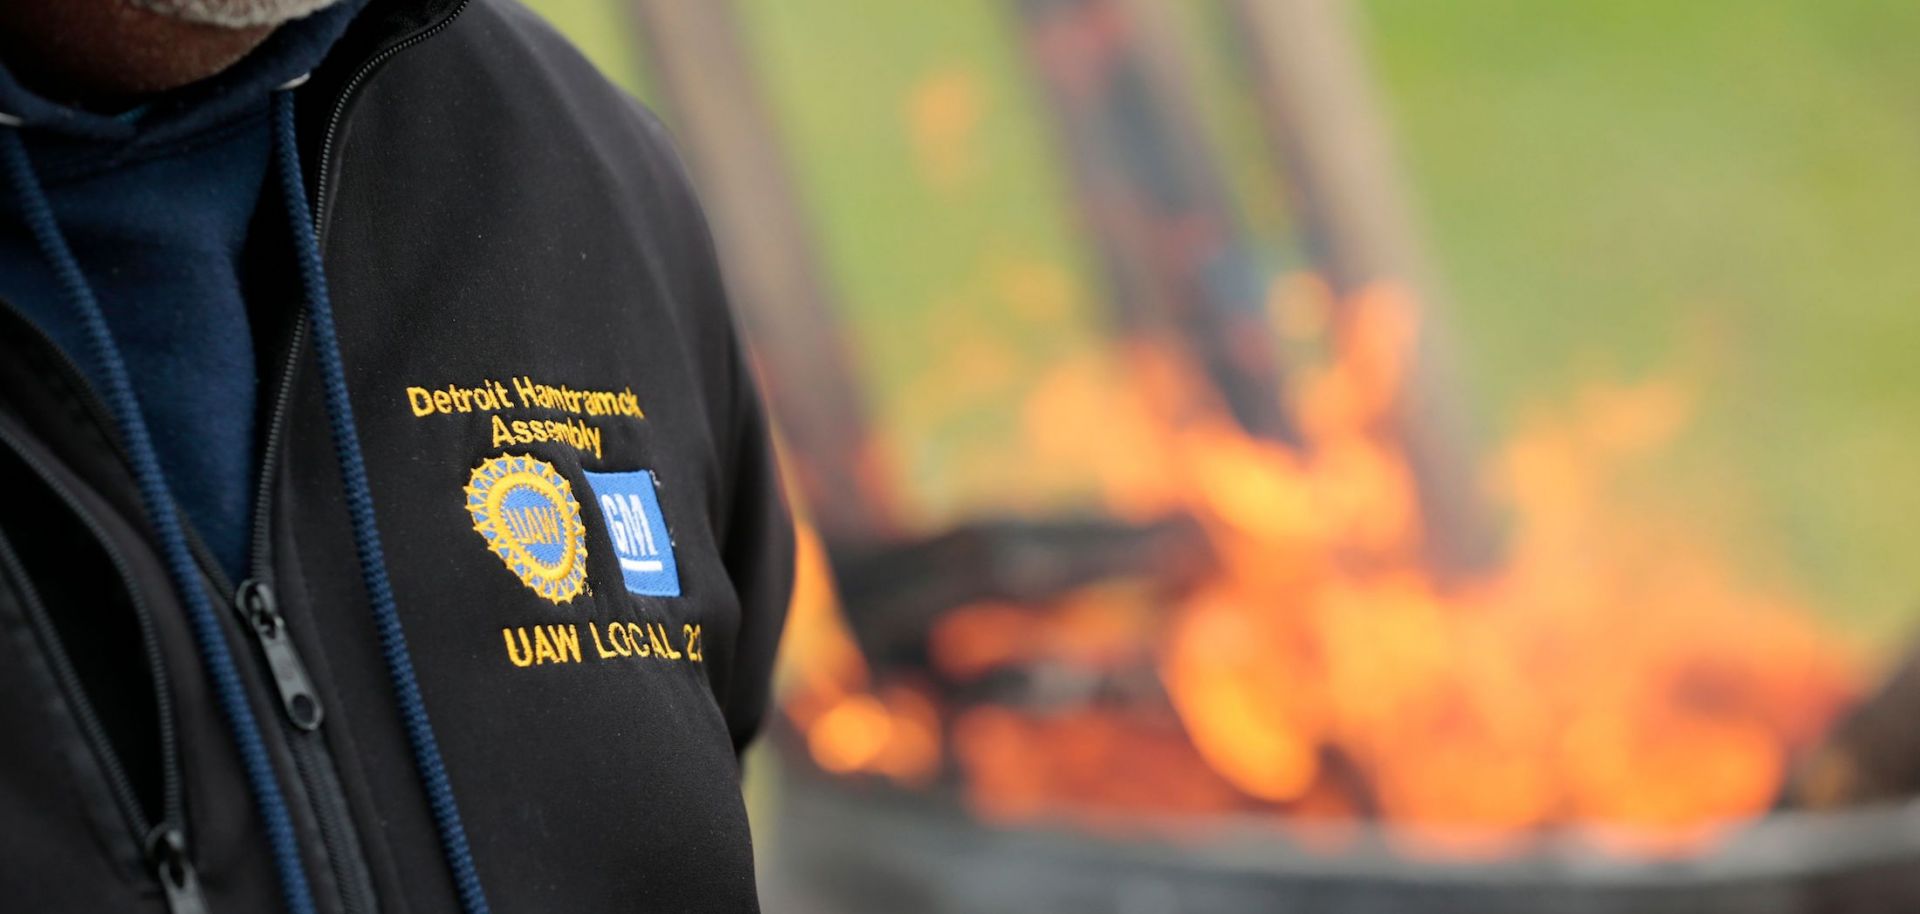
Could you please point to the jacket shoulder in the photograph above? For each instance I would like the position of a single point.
(523, 65)
(499, 105)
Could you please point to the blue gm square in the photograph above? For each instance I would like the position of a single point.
(630, 506)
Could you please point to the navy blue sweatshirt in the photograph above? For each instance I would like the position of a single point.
(158, 205)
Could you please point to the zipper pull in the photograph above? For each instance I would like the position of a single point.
(261, 612)
(167, 854)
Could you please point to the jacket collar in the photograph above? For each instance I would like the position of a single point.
(381, 26)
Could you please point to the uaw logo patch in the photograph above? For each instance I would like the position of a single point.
(526, 511)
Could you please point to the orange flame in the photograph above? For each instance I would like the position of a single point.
(1610, 671)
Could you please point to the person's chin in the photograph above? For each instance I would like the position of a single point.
(106, 52)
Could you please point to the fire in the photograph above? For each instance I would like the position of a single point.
(850, 725)
(1610, 673)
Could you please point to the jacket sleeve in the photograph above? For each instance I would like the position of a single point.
(751, 519)
(758, 549)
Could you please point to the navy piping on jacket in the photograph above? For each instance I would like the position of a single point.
(366, 533)
(218, 660)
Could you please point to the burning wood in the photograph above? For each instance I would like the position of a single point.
(894, 595)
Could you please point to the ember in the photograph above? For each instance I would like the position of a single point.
(1610, 674)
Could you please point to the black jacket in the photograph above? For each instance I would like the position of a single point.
(573, 484)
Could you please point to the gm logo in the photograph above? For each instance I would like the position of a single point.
(631, 507)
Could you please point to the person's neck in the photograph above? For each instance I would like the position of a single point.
(109, 54)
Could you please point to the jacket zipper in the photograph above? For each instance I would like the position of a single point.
(335, 828)
(163, 844)
(323, 171)
(256, 599)
(257, 603)
(167, 848)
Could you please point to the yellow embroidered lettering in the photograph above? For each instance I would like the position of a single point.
(493, 397)
(523, 656)
(599, 649)
(662, 646)
(566, 642)
(420, 400)
(542, 647)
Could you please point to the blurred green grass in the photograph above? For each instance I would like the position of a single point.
(1723, 190)
(1729, 186)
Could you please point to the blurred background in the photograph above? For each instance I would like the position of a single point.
(1376, 455)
